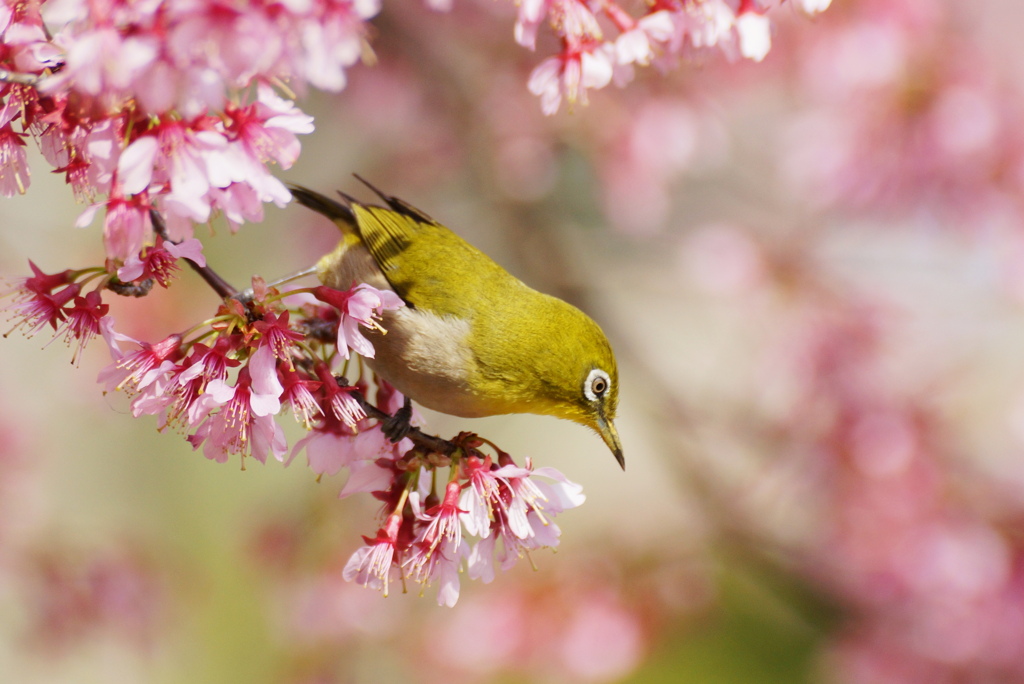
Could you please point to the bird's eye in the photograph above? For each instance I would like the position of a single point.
(597, 384)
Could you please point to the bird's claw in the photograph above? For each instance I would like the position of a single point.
(397, 426)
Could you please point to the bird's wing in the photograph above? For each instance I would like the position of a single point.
(420, 258)
(386, 233)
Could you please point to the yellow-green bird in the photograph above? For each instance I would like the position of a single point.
(472, 340)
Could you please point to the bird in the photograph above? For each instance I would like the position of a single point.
(472, 339)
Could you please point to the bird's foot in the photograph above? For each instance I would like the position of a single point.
(397, 426)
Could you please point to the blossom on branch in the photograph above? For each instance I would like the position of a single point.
(167, 104)
(433, 548)
(166, 114)
(591, 58)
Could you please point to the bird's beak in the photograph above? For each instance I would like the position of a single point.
(611, 437)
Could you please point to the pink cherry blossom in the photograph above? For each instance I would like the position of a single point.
(328, 452)
(265, 130)
(442, 522)
(373, 564)
(35, 304)
(83, 321)
(537, 496)
(203, 365)
(570, 74)
(126, 227)
(480, 561)
(636, 45)
(161, 261)
(377, 475)
(277, 335)
(439, 550)
(131, 370)
(362, 305)
(28, 288)
(14, 173)
(104, 63)
(531, 14)
(339, 399)
(754, 33)
(482, 494)
(243, 424)
(298, 393)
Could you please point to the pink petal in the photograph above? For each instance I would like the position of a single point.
(264, 404)
(354, 339)
(263, 370)
(366, 476)
(220, 391)
(481, 560)
(755, 35)
(135, 167)
(132, 269)
(326, 453)
(191, 249)
(268, 437)
(87, 216)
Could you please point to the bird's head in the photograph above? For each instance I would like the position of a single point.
(600, 398)
(584, 380)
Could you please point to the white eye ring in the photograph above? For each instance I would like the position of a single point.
(588, 386)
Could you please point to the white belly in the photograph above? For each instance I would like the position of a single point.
(425, 356)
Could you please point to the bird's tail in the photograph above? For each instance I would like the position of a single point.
(338, 212)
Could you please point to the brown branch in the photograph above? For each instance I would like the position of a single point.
(223, 288)
(431, 443)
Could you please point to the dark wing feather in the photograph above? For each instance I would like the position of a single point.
(389, 232)
(386, 233)
(330, 208)
(400, 206)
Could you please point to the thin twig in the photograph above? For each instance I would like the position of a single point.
(245, 296)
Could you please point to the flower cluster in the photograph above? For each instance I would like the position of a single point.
(591, 59)
(55, 299)
(223, 384)
(166, 105)
(185, 377)
(153, 104)
(422, 539)
(177, 106)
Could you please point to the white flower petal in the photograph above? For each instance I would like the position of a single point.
(135, 167)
